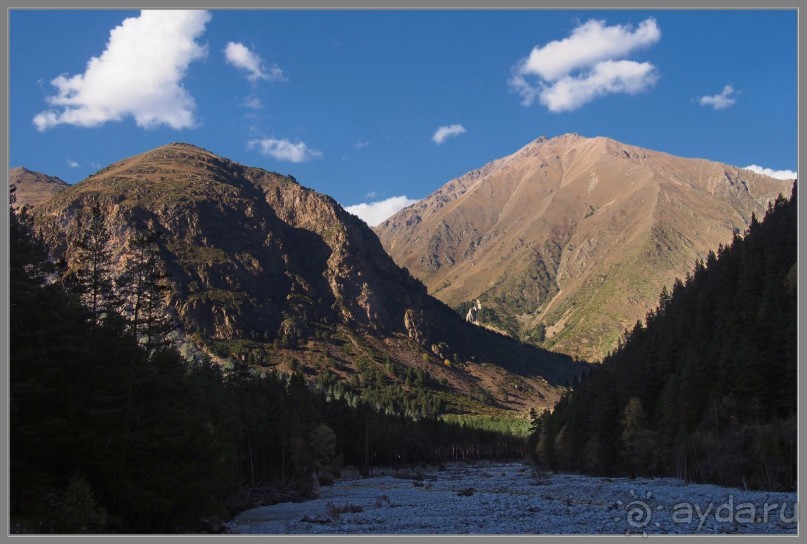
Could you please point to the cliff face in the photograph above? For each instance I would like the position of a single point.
(570, 240)
(264, 269)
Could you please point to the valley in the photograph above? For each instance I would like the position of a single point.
(313, 348)
(409, 271)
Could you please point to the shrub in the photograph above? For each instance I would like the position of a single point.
(335, 511)
(80, 513)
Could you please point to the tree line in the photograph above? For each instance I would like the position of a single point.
(705, 389)
(113, 431)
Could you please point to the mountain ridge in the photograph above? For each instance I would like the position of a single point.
(266, 270)
(31, 188)
(564, 223)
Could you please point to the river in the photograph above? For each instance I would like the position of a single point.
(509, 498)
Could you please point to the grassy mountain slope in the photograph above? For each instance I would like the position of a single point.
(572, 236)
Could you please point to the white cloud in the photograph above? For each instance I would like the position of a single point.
(720, 101)
(285, 150)
(73, 164)
(778, 174)
(374, 213)
(371, 194)
(608, 77)
(563, 75)
(361, 144)
(447, 131)
(139, 74)
(589, 44)
(95, 165)
(241, 57)
(253, 103)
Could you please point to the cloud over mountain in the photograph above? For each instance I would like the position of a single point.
(285, 150)
(373, 213)
(566, 74)
(139, 74)
(778, 174)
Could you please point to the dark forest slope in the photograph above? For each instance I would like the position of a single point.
(706, 390)
(108, 435)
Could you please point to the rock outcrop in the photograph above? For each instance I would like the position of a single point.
(266, 270)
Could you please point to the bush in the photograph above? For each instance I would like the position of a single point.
(335, 511)
(80, 513)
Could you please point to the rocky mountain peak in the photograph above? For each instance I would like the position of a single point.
(569, 240)
(32, 188)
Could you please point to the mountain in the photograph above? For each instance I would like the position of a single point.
(267, 271)
(706, 390)
(569, 241)
(33, 188)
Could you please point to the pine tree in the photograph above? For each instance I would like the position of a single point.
(144, 288)
(634, 421)
(29, 259)
(90, 264)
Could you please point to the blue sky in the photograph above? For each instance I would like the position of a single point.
(372, 106)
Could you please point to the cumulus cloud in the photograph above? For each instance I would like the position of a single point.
(73, 164)
(284, 150)
(241, 57)
(139, 74)
(720, 101)
(563, 75)
(778, 174)
(447, 131)
(374, 213)
(624, 76)
(589, 44)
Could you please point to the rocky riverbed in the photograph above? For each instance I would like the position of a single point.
(509, 498)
